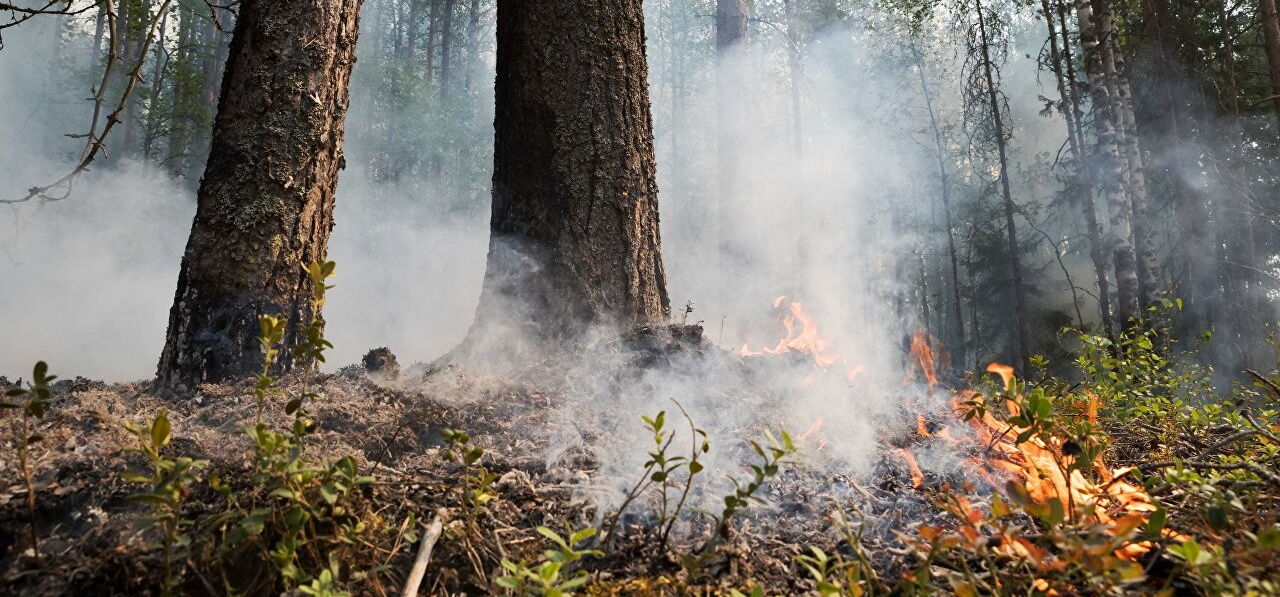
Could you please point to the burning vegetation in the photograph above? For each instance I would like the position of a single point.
(445, 481)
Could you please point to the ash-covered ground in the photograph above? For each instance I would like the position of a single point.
(564, 439)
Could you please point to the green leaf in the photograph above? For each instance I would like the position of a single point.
(1158, 519)
(160, 429)
(1217, 517)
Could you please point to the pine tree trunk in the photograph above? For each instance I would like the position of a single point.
(574, 234)
(179, 124)
(1062, 63)
(265, 204)
(1271, 31)
(433, 33)
(1021, 346)
(446, 48)
(1108, 167)
(731, 31)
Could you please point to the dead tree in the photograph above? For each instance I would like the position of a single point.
(265, 205)
(574, 233)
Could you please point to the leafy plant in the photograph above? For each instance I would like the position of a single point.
(31, 404)
(169, 481)
(770, 457)
(554, 576)
(306, 514)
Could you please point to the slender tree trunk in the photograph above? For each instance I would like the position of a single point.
(1064, 72)
(411, 38)
(1134, 172)
(1271, 31)
(944, 182)
(265, 204)
(446, 48)
(731, 31)
(473, 43)
(1108, 167)
(99, 26)
(574, 233)
(1235, 224)
(179, 125)
(794, 76)
(433, 34)
(158, 68)
(1015, 266)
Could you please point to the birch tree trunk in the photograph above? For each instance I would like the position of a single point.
(1062, 63)
(574, 235)
(265, 204)
(1134, 176)
(1108, 166)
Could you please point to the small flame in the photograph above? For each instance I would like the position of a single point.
(917, 476)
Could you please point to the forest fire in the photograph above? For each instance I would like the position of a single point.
(1040, 470)
(802, 338)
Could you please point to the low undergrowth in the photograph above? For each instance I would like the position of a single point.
(279, 499)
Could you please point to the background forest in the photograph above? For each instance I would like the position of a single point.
(954, 296)
(868, 172)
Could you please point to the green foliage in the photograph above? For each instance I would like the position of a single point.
(770, 457)
(555, 575)
(169, 481)
(304, 518)
(31, 402)
(476, 489)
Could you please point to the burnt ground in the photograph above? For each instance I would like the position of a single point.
(95, 541)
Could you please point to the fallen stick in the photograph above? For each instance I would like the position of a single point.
(424, 555)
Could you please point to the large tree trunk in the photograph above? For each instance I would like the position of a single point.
(265, 205)
(1271, 30)
(1108, 167)
(1021, 346)
(574, 233)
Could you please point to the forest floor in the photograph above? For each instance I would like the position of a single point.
(815, 529)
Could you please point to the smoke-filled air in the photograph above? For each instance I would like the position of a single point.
(639, 297)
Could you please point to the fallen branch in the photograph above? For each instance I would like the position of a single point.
(419, 569)
(1262, 379)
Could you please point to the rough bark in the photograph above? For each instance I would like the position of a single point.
(1015, 266)
(574, 232)
(265, 205)
(1271, 32)
(1062, 64)
(1108, 166)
